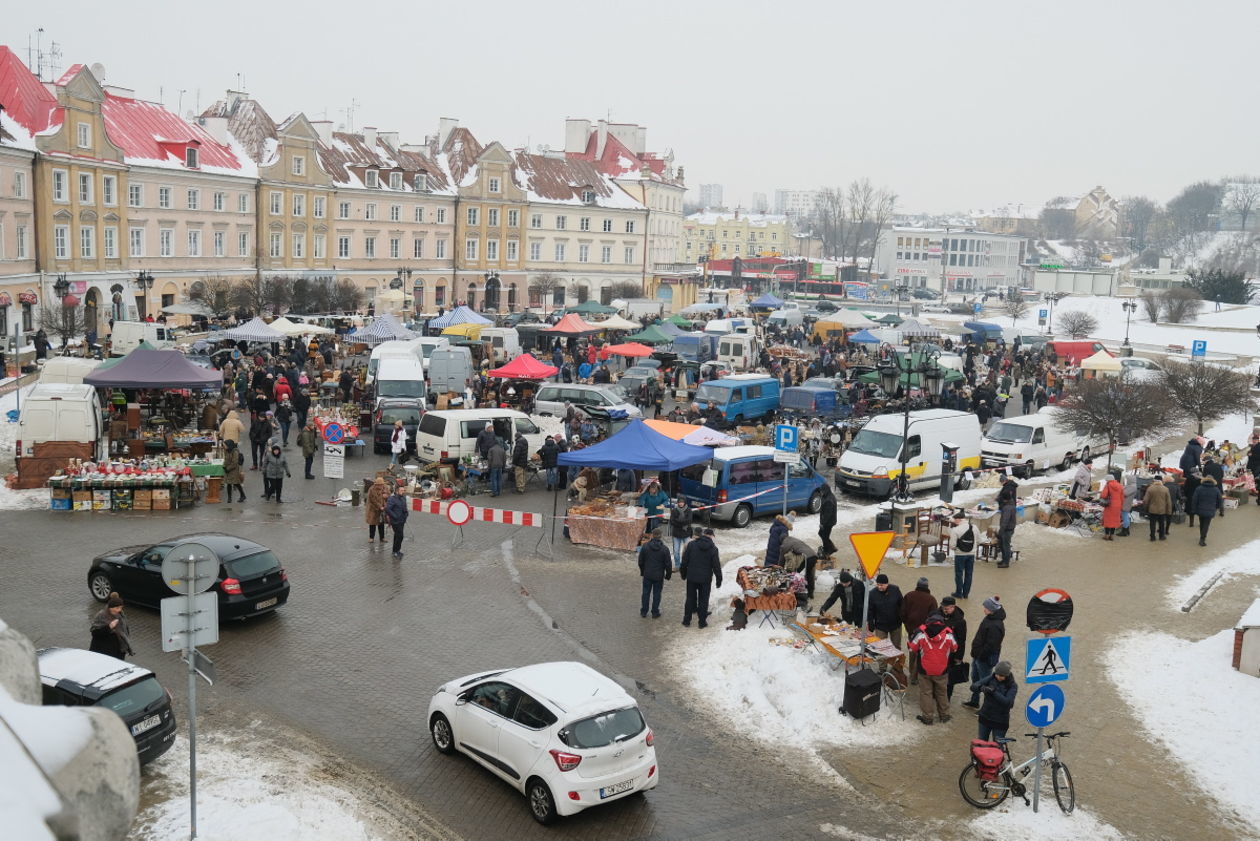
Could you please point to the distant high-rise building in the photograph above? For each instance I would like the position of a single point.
(760, 204)
(795, 204)
(711, 195)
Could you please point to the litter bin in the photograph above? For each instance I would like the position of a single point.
(355, 496)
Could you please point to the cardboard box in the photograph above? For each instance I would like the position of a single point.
(122, 500)
(161, 495)
(142, 499)
(82, 500)
(162, 504)
(102, 500)
(60, 493)
(63, 504)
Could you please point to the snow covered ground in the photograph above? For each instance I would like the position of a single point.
(1245, 560)
(11, 500)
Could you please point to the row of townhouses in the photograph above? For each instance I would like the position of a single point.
(101, 191)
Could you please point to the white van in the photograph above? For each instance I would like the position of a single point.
(739, 351)
(400, 377)
(392, 350)
(428, 344)
(505, 343)
(126, 336)
(450, 434)
(60, 412)
(722, 326)
(69, 370)
(450, 370)
(785, 318)
(873, 460)
(1036, 442)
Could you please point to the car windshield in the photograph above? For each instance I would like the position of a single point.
(618, 391)
(133, 697)
(871, 443)
(604, 729)
(712, 394)
(400, 388)
(251, 565)
(1010, 433)
(409, 417)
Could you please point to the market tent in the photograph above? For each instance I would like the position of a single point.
(914, 327)
(384, 328)
(677, 319)
(1102, 362)
(591, 308)
(865, 337)
(651, 335)
(524, 367)
(767, 302)
(629, 349)
(891, 319)
(850, 319)
(468, 331)
(144, 368)
(638, 447)
(459, 315)
(254, 330)
(698, 308)
(616, 322)
(295, 328)
(689, 433)
(572, 325)
(671, 328)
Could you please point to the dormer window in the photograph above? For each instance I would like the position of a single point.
(191, 157)
(395, 180)
(373, 178)
(421, 182)
(493, 184)
(588, 196)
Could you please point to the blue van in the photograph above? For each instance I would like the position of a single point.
(811, 401)
(742, 398)
(738, 474)
(695, 347)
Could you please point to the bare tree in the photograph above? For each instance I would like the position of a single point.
(860, 201)
(1117, 406)
(214, 293)
(626, 289)
(1181, 304)
(1197, 207)
(885, 205)
(1076, 323)
(544, 287)
(1152, 305)
(67, 323)
(1015, 307)
(1137, 213)
(829, 221)
(345, 296)
(1242, 195)
(1206, 392)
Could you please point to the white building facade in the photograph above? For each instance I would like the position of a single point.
(795, 204)
(967, 260)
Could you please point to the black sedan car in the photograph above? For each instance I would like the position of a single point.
(251, 580)
(390, 410)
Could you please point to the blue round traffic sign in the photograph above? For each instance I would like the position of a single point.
(1045, 705)
(333, 433)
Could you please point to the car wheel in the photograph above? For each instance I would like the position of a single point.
(815, 502)
(100, 586)
(541, 804)
(1066, 464)
(962, 484)
(443, 736)
(742, 516)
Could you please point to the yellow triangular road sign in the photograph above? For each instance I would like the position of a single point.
(871, 546)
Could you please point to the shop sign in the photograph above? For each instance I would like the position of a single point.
(5, 300)
(28, 298)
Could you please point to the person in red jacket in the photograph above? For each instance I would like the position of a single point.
(934, 643)
(283, 389)
(1112, 497)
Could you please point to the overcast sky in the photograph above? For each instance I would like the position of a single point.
(954, 106)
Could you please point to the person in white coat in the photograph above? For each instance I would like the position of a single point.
(397, 443)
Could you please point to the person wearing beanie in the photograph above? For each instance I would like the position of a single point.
(959, 671)
(932, 649)
(963, 537)
(999, 690)
(1008, 500)
(986, 647)
(110, 632)
(883, 614)
(851, 594)
(917, 605)
(1157, 507)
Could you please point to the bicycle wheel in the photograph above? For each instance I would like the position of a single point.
(983, 794)
(1064, 789)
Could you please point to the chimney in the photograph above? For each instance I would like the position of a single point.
(640, 140)
(414, 148)
(389, 138)
(446, 125)
(602, 138)
(216, 127)
(234, 98)
(576, 134)
(369, 136)
(323, 128)
(118, 90)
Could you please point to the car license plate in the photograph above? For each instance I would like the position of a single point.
(616, 788)
(146, 725)
(266, 604)
(852, 483)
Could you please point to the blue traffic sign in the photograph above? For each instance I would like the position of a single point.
(1049, 659)
(1043, 313)
(1045, 706)
(976, 307)
(786, 437)
(1198, 349)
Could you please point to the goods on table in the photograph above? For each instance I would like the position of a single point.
(788, 352)
(139, 484)
(347, 416)
(594, 508)
(770, 581)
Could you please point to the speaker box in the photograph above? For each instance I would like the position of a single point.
(861, 693)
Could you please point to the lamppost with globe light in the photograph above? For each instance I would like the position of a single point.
(899, 370)
(1130, 307)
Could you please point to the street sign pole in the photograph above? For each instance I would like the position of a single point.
(189, 651)
(1037, 774)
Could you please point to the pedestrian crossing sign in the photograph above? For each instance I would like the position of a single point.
(1049, 659)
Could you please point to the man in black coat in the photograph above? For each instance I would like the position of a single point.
(956, 621)
(883, 616)
(485, 440)
(827, 521)
(520, 462)
(850, 593)
(986, 647)
(700, 566)
(656, 567)
(547, 456)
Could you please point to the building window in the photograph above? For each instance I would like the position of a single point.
(439, 249)
(473, 216)
(492, 249)
(220, 201)
(557, 296)
(419, 213)
(87, 243)
(84, 135)
(277, 202)
(420, 183)
(395, 248)
(166, 242)
(441, 215)
(512, 247)
(343, 247)
(317, 206)
(369, 247)
(277, 244)
(220, 243)
(61, 242)
(136, 237)
(343, 210)
(19, 184)
(242, 203)
(535, 220)
(242, 244)
(194, 243)
(629, 226)
(584, 224)
(562, 222)
(194, 199)
(299, 165)
(584, 253)
(85, 188)
(109, 242)
(27, 319)
(470, 249)
(317, 247)
(492, 217)
(514, 218)
(630, 253)
(605, 254)
(299, 246)
(417, 249)
(191, 158)
(60, 179)
(395, 213)
(299, 204)
(109, 190)
(588, 196)
(535, 251)
(395, 181)
(439, 295)
(21, 242)
(373, 178)
(369, 210)
(493, 184)
(608, 226)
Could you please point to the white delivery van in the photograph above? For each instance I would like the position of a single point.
(1037, 442)
(392, 350)
(400, 377)
(450, 370)
(505, 343)
(785, 318)
(68, 370)
(60, 412)
(739, 351)
(126, 336)
(873, 461)
(428, 344)
(450, 434)
(722, 326)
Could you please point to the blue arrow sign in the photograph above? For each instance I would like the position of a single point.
(1049, 659)
(1198, 349)
(786, 437)
(1045, 706)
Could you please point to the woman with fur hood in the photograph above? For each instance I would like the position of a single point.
(778, 530)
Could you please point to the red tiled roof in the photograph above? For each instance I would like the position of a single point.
(146, 130)
(617, 159)
(349, 154)
(25, 98)
(248, 122)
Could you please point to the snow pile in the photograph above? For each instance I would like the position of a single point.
(1013, 821)
(1208, 690)
(1245, 560)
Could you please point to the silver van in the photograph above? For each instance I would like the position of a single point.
(552, 397)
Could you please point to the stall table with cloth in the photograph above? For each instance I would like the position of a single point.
(844, 643)
(617, 530)
(769, 603)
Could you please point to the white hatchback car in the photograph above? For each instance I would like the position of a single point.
(561, 733)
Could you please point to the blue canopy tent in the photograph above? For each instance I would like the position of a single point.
(638, 447)
(767, 302)
(985, 329)
(865, 337)
(459, 315)
(671, 328)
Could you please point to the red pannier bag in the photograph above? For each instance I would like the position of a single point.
(989, 758)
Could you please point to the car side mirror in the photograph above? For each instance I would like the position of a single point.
(461, 699)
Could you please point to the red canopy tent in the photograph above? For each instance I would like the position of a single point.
(629, 349)
(525, 367)
(572, 325)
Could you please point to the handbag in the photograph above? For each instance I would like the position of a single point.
(959, 673)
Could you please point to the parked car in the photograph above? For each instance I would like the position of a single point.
(73, 677)
(934, 308)
(389, 411)
(562, 734)
(924, 293)
(745, 482)
(251, 580)
(551, 398)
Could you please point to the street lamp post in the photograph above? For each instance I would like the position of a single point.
(144, 280)
(892, 372)
(1050, 298)
(1130, 307)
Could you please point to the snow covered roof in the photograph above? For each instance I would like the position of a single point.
(459, 154)
(619, 162)
(251, 126)
(26, 100)
(150, 135)
(348, 158)
(756, 220)
(565, 181)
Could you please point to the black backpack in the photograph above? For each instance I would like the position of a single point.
(967, 542)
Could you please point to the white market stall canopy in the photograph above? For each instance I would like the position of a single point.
(254, 330)
(616, 322)
(1103, 362)
(297, 328)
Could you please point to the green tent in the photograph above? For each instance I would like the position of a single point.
(651, 335)
(114, 360)
(591, 308)
(890, 319)
(677, 318)
(912, 380)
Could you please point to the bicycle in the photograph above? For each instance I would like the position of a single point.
(987, 793)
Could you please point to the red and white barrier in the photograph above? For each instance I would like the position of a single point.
(461, 513)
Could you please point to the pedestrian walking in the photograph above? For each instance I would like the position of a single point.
(986, 646)
(883, 613)
(655, 567)
(999, 690)
(963, 536)
(1157, 507)
(284, 417)
(274, 467)
(374, 509)
(1112, 497)
(232, 429)
(1208, 502)
(398, 443)
(233, 469)
(396, 513)
(308, 440)
(916, 606)
(680, 520)
(260, 432)
(701, 566)
(1008, 501)
(827, 520)
(931, 652)
(110, 632)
